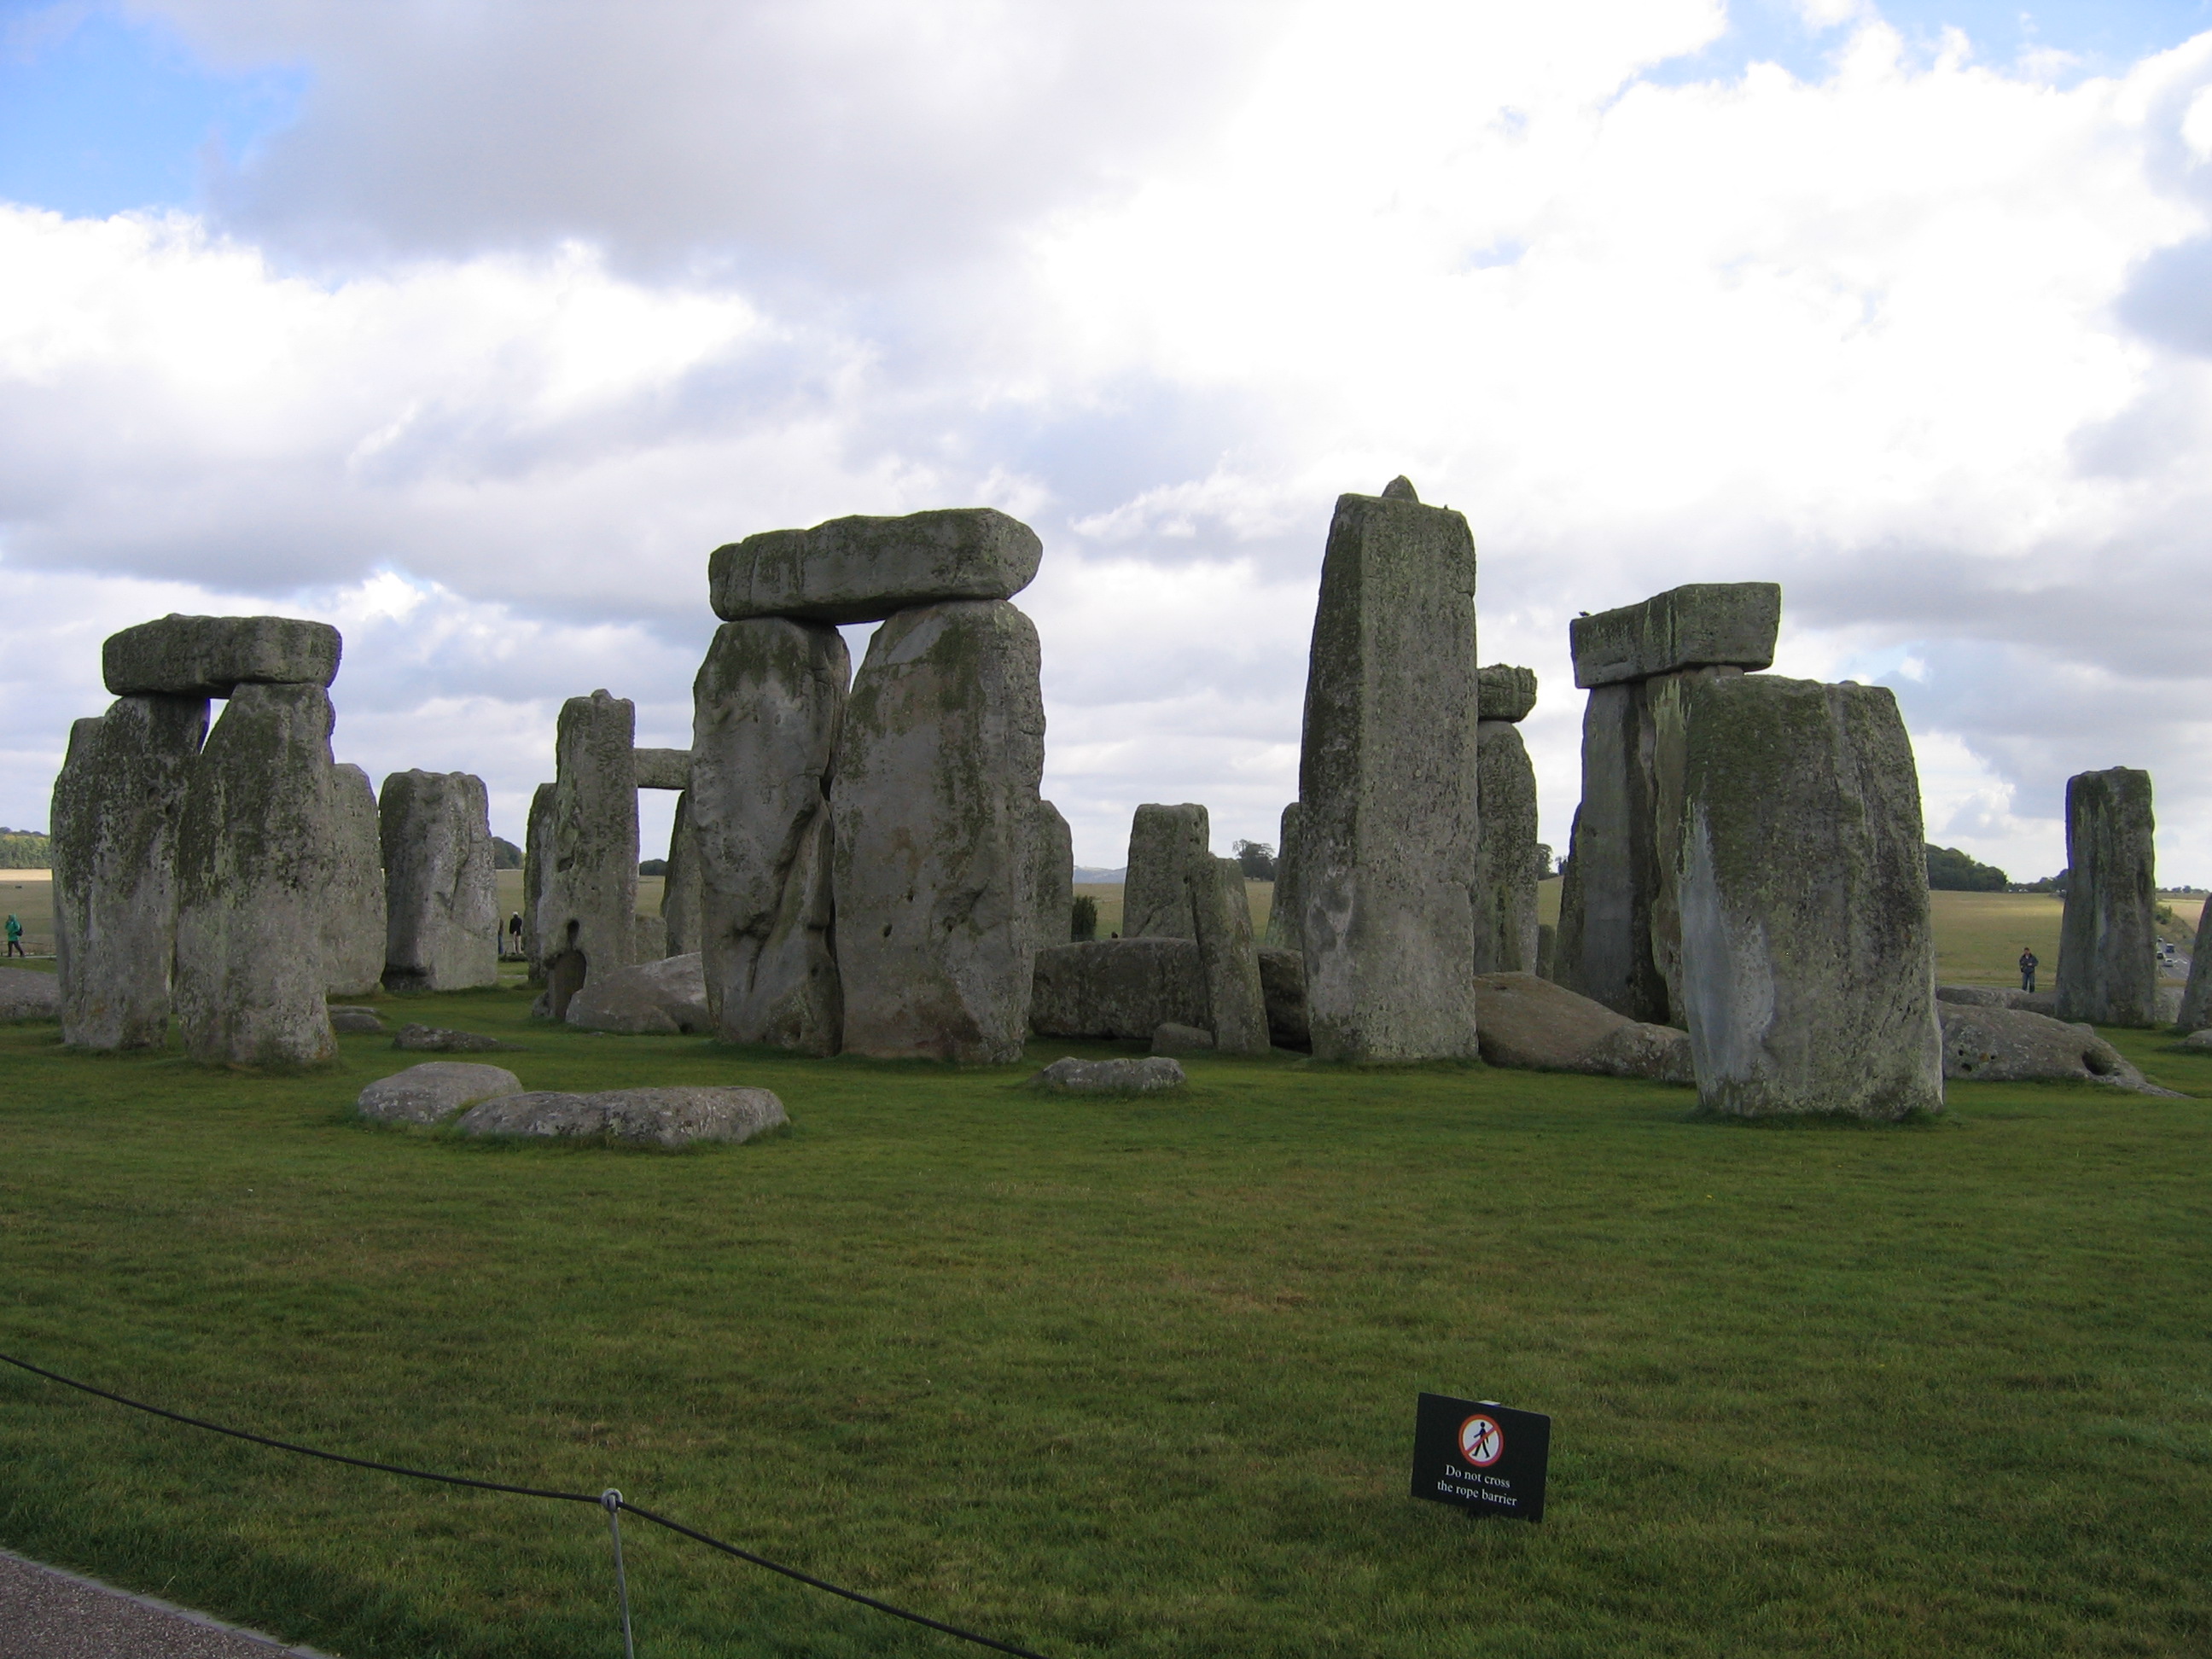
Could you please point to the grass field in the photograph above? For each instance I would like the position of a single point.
(1116, 1377)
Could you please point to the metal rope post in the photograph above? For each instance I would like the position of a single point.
(611, 1501)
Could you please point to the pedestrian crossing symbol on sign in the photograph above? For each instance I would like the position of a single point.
(1486, 1458)
(1481, 1442)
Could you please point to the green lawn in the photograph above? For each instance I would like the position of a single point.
(1112, 1377)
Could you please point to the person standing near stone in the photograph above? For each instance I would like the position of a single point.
(514, 934)
(2108, 934)
(1386, 786)
(2029, 963)
(15, 935)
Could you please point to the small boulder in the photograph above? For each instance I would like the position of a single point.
(355, 1022)
(649, 1117)
(1172, 1039)
(2010, 1045)
(437, 1040)
(1532, 1024)
(27, 995)
(1109, 1077)
(2197, 1042)
(660, 998)
(434, 1091)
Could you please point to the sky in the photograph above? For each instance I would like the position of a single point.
(473, 326)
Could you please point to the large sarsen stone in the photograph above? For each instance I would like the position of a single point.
(1702, 625)
(353, 917)
(441, 888)
(210, 656)
(862, 569)
(2108, 938)
(587, 911)
(1164, 844)
(1506, 858)
(1118, 987)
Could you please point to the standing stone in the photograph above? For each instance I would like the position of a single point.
(863, 569)
(767, 705)
(536, 866)
(1506, 858)
(1387, 779)
(353, 918)
(1236, 1005)
(254, 877)
(1283, 913)
(443, 892)
(117, 803)
(585, 919)
(1807, 957)
(2108, 938)
(1165, 843)
(680, 892)
(1052, 873)
(934, 799)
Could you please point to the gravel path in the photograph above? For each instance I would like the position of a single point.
(45, 1613)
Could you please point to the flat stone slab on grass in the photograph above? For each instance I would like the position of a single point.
(434, 1091)
(1172, 1039)
(2197, 1042)
(1152, 1076)
(651, 999)
(1529, 1024)
(2010, 1045)
(27, 995)
(211, 656)
(650, 1117)
(356, 1022)
(438, 1040)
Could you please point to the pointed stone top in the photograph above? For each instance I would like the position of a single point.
(1400, 489)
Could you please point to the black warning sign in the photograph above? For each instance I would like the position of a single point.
(1486, 1458)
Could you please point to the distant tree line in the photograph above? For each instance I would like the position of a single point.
(1257, 859)
(25, 849)
(505, 854)
(1950, 871)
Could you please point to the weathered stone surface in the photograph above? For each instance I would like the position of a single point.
(767, 705)
(1117, 988)
(1508, 693)
(1236, 1003)
(356, 1022)
(586, 922)
(663, 769)
(1532, 1024)
(1506, 857)
(2108, 938)
(1388, 836)
(665, 1117)
(1153, 1075)
(27, 995)
(681, 892)
(863, 569)
(2194, 1012)
(212, 656)
(2197, 1041)
(253, 876)
(1052, 876)
(1164, 844)
(117, 803)
(661, 997)
(1702, 625)
(1807, 957)
(652, 937)
(442, 889)
(353, 916)
(1547, 946)
(536, 866)
(434, 1091)
(2000, 996)
(1985, 1044)
(1283, 982)
(440, 1040)
(1287, 906)
(934, 800)
(1181, 1039)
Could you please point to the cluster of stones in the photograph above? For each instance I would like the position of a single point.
(236, 875)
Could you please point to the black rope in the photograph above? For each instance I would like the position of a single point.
(594, 1498)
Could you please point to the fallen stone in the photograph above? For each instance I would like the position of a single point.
(117, 802)
(1229, 958)
(933, 801)
(1181, 1039)
(585, 914)
(1052, 876)
(659, 998)
(663, 769)
(1284, 908)
(211, 656)
(1151, 1076)
(1508, 693)
(2000, 996)
(1283, 982)
(1531, 1024)
(1983, 1044)
(2198, 1042)
(864, 569)
(1506, 857)
(1164, 842)
(1387, 833)
(767, 706)
(1117, 988)
(680, 890)
(353, 920)
(1702, 625)
(27, 995)
(434, 1091)
(442, 888)
(439, 1040)
(253, 879)
(356, 1022)
(1806, 947)
(2108, 937)
(664, 1117)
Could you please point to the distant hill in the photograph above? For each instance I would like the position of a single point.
(1085, 877)
(26, 849)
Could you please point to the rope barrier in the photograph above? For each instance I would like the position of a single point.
(610, 1500)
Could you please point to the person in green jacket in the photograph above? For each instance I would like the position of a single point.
(15, 937)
